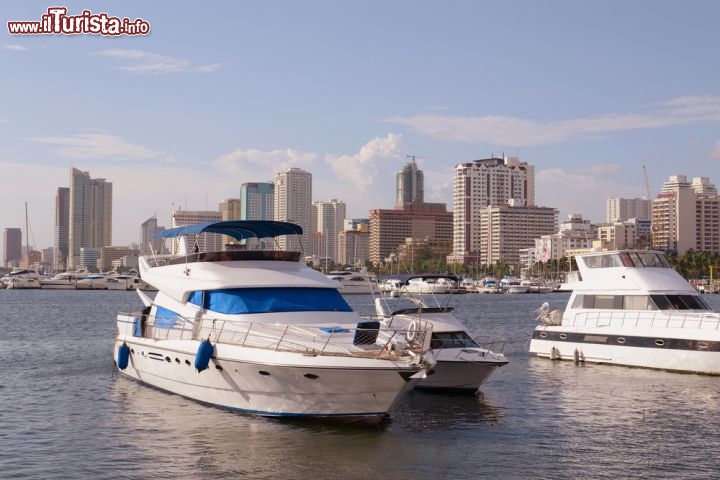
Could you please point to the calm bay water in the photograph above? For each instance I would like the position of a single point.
(65, 414)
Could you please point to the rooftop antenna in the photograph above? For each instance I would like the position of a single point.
(647, 184)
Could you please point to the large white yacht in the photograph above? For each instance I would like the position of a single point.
(355, 281)
(21, 278)
(630, 307)
(259, 332)
(462, 364)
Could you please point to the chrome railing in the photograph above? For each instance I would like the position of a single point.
(368, 342)
(651, 319)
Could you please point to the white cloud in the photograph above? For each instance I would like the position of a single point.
(97, 145)
(516, 132)
(17, 48)
(259, 162)
(155, 64)
(207, 68)
(361, 168)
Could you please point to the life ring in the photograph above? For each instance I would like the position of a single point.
(411, 330)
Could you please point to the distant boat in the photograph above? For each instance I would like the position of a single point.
(93, 281)
(22, 278)
(63, 280)
(355, 281)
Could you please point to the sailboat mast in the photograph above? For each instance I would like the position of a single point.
(27, 237)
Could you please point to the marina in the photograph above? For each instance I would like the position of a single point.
(534, 418)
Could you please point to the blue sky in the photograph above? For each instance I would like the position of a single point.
(232, 92)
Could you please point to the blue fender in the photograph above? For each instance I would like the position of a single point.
(204, 352)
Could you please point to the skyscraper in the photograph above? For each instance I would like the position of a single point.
(13, 247)
(329, 218)
(149, 243)
(293, 203)
(409, 186)
(621, 209)
(204, 242)
(257, 200)
(62, 229)
(478, 185)
(90, 214)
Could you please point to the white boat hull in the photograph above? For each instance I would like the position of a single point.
(460, 374)
(659, 350)
(269, 383)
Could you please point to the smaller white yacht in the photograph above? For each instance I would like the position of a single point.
(513, 285)
(630, 307)
(462, 364)
(126, 282)
(355, 281)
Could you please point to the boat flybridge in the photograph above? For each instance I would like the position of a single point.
(259, 332)
(630, 307)
(462, 363)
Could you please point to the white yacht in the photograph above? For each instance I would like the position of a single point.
(21, 278)
(63, 280)
(126, 282)
(355, 281)
(259, 332)
(462, 364)
(92, 281)
(630, 307)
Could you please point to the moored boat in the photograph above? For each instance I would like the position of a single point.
(630, 307)
(259, 332)
(462, 364)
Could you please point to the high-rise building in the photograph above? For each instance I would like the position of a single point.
(674, 216)
(230, 210)
(505, 230)
(90, 214)
(621, 209)
(354, 247)
(257, 200)
(203, 242)
(149, 243)
(481, 184)
(293, 203)
(62, 229)
(13, 247)
(409, 186)
(390, 229)
(328, 220)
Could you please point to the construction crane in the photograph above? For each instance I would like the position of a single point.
(647, 184)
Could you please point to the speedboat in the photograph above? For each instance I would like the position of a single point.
(630, 307)
(355, 281)
(259, 332)
(462, 364)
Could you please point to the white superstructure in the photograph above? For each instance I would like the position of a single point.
(630, 307)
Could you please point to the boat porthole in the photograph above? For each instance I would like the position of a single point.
(621, 340)
(177, 360)
(543, 334)
(563, 336)
(263, 372)
(659, 342)
(702, 345)
(167, 359)
(311, 376)
(132, 350)
(187, 362)
(218, 367)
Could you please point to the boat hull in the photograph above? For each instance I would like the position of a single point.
(267, 383)
(458, 375)
(655, 350)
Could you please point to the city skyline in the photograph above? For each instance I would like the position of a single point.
(211, 99)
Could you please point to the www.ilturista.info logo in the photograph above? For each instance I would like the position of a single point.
(57, 22)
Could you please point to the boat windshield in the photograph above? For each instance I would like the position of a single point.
(640, 302)
(269, 300)
(627, 259)
(451, 340)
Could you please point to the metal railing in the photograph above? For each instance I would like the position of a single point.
(368, 342)
(651, 319)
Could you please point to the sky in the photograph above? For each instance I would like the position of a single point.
(235, 91)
